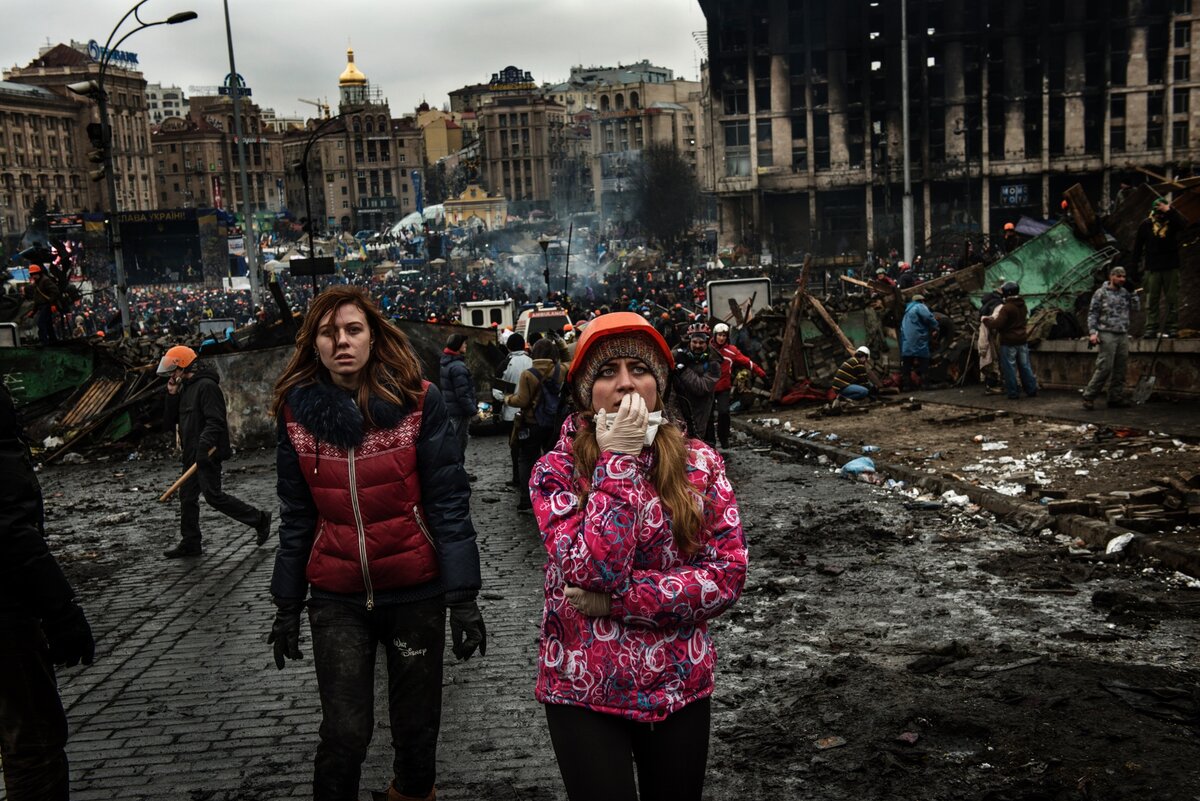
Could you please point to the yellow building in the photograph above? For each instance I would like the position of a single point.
(475, 203)
(443, 135)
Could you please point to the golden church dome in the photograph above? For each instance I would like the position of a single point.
(351, 76)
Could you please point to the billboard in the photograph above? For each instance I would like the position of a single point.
(161, 247)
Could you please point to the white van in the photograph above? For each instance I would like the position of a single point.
(483, 313)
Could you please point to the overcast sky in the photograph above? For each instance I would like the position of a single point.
(412, 50)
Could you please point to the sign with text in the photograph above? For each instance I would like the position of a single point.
(1014, 195)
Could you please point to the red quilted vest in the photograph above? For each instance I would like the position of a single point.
(371, 531)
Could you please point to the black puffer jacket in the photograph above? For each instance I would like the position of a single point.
(32, 585)
(199, 411)
(457, 386)
(333, 417)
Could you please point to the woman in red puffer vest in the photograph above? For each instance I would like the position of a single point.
(375, 520)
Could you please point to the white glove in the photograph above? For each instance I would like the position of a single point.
(497, 394)
(586, 602)
(625, 431)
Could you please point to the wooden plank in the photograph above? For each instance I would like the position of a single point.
(94, 399)
(1083, 216)
(790, 334)
(819, 308)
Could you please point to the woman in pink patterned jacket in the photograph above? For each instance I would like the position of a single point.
(644, 545)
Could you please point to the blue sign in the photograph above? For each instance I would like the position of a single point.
(416, 184)
(122, 58)
(231, 84)
(1014, 195)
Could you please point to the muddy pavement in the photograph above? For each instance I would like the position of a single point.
(878, 652)
(883, 652)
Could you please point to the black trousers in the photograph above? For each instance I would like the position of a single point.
(719, 418)
(33, 727)
(207, 482)
(345, 638)
(597, 754)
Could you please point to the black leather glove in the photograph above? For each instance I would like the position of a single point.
(69, 635)
(467, 630)
(285, 631)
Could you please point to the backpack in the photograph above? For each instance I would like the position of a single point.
(548, 409)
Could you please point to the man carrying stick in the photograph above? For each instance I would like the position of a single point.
(196, 405)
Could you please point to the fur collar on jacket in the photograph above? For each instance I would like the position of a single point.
(333, 416)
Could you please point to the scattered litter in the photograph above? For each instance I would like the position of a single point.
(832, 437)
(870, 449)
(954, 499)
(115, 519)
(1118, 544)
(73, 458)
(995, 446)
(52, 442)
(978, 438)
(908, 737)
(822, 459)
(825, 743)
(1081, 472)
(863, 464)
(788, 427)
(923, 506)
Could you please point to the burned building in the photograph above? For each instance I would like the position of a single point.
(1010, 103)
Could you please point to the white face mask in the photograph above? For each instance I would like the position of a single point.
(653, 421)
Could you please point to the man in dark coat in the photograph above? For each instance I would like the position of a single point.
(196, 405)
(697, 371)
(1158, 243)
(1010, 325)
(459, 389)
(40, 625)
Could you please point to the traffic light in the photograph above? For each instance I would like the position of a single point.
(100, 137)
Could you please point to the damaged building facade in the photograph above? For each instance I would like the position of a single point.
(1010, 104)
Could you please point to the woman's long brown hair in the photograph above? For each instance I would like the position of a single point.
(392, 372)
(669, 475)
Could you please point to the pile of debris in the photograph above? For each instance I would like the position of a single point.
(1171, 503)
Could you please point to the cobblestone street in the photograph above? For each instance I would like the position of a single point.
(185, 701)
(1018, 664)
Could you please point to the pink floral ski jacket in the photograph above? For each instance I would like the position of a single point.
(652, 655)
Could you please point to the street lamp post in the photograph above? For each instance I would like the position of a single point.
(247, 205)
(544, 240)
(114, 227)
(317, 133)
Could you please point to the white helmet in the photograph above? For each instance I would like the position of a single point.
(720, 328)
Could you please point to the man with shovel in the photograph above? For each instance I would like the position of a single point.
(196, 405)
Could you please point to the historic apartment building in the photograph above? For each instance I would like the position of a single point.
(42, 147)
(165, 101)
(45, 136)
(361, 166)
(1010, 104)
(196, 158)
(631, 108)
(522, 142)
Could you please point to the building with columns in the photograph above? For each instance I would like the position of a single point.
(133, 169)
(1010, 104)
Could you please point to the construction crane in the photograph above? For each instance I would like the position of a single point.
(322, 108)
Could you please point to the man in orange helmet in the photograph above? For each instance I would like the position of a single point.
(196, 405)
